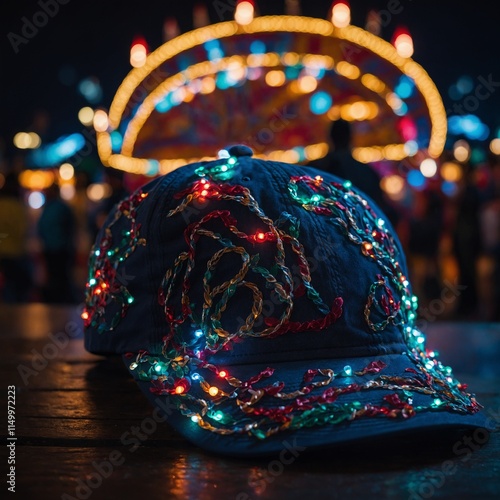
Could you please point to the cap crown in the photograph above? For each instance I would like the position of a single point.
(243, 260)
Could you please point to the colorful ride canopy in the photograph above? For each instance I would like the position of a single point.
(274, 84)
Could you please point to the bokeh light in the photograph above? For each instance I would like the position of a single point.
(275, 78)
(320, 102)
(404, 45)
(393, 185)
(66, 171)
(36, 200)
(101, 122)
(416, 179)
(244, 13)
(451, 171)
(138, 53)
(341, 14)
(86, 115)
(428, 167)
(495, 146)
(27, 140)
(67, 191)
(98, 191)
(461, 150)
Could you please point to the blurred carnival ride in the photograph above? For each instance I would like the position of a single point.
(274, 83)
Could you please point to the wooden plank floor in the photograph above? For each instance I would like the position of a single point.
(75, 412)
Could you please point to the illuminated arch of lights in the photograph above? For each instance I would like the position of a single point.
(105, 124)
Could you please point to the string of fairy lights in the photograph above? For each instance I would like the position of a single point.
(209, 393)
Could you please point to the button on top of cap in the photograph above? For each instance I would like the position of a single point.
(240, 150)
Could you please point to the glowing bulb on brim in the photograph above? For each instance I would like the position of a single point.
(207, 85)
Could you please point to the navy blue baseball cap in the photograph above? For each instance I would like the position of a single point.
(257, 303)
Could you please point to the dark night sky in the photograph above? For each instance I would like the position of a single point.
(93, 37)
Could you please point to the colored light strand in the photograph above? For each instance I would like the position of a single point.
(342, 206)
(103, 285)
(219, 402)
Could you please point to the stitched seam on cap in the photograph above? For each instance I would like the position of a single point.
(339, 289)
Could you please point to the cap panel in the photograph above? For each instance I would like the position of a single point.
(161, 245)
(316, 276)
(116, 276)
(133, 270)
(366, 254)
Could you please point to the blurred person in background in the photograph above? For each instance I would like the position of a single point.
(56, 229)
(467, 243)
(425, 229)
(340, 162)
(16, 275)
(114, 179)
(490, 235)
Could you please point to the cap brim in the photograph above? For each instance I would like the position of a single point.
(318, 436)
